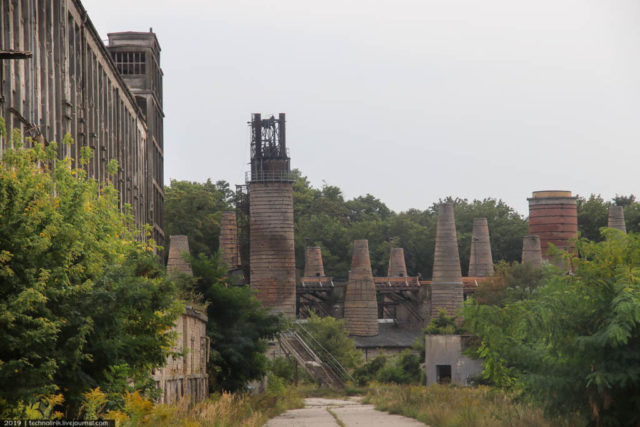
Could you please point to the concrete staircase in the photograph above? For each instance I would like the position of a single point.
(330, 374)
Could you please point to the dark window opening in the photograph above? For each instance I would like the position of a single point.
(130, 62)
(443, 374)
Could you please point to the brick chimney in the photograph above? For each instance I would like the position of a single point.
(397, 266)
(313, 266)
(446, 285)
(229, 239)
(178, 249)
(531, 250)
(616, 218)
(480, 261)
(360, 303)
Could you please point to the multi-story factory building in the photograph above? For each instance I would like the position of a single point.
(57, 78)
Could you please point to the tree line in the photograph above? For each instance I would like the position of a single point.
(324, 218)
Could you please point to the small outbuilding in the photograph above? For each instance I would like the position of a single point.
(445, 363)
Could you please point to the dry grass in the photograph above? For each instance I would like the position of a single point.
(218, 411)
(440, 406)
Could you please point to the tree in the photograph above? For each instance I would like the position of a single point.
(194, 209)
(574, 344)
(238, 326)
(80, 294)
(331, 336)
(592, 216)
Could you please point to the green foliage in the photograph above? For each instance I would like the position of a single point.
(443, 325)
(368, 372)
(439, 405)
(574, 344)
(238, 327)
(330, 335)
(324, 218)
(80, 295)
(593, 213)
(403, 369)
(283, 368)
(194, 209)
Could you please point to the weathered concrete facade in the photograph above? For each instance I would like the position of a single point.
(71, 85)
(553, 216)
(185, 375)
(531, 251)
(616, 218)
(446, 285)
(445, 363)
(360, 303)
(271, 252)
(480, 260)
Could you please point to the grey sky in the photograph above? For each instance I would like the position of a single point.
(409, 100)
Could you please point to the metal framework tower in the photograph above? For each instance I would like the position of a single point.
(271, 252)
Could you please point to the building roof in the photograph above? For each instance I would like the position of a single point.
(389, 336)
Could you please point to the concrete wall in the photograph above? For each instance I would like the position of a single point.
(71, 85)
(186, 375)
(447, 350)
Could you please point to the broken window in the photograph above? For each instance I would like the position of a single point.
(130, 62)
(443, 374)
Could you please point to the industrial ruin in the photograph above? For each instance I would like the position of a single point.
(185, 376)
(382, 314)
(58, 78)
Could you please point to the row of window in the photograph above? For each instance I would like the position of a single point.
(130, 62)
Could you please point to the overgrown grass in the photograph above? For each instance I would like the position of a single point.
(440, 406)
(218, 411)
(312, 390)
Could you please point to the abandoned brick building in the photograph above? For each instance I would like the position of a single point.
(57, 78)
(185, 375)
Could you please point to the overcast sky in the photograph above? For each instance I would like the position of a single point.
(409, 100)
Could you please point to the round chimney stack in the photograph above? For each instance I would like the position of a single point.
(360, 303)
(480, 260)
(446, 263)
(616, 218)
(553, 216)
(446, 285)
(229, 239)
(178, 251)
(313, 266)
(397, 266)
(531, 251)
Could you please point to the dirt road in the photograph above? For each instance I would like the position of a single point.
(320, 412)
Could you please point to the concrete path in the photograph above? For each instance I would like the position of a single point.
(320, 412)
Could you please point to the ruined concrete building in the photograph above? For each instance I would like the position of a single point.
(553, 217)
(185, 375)
(271, 246)
(58, 78)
